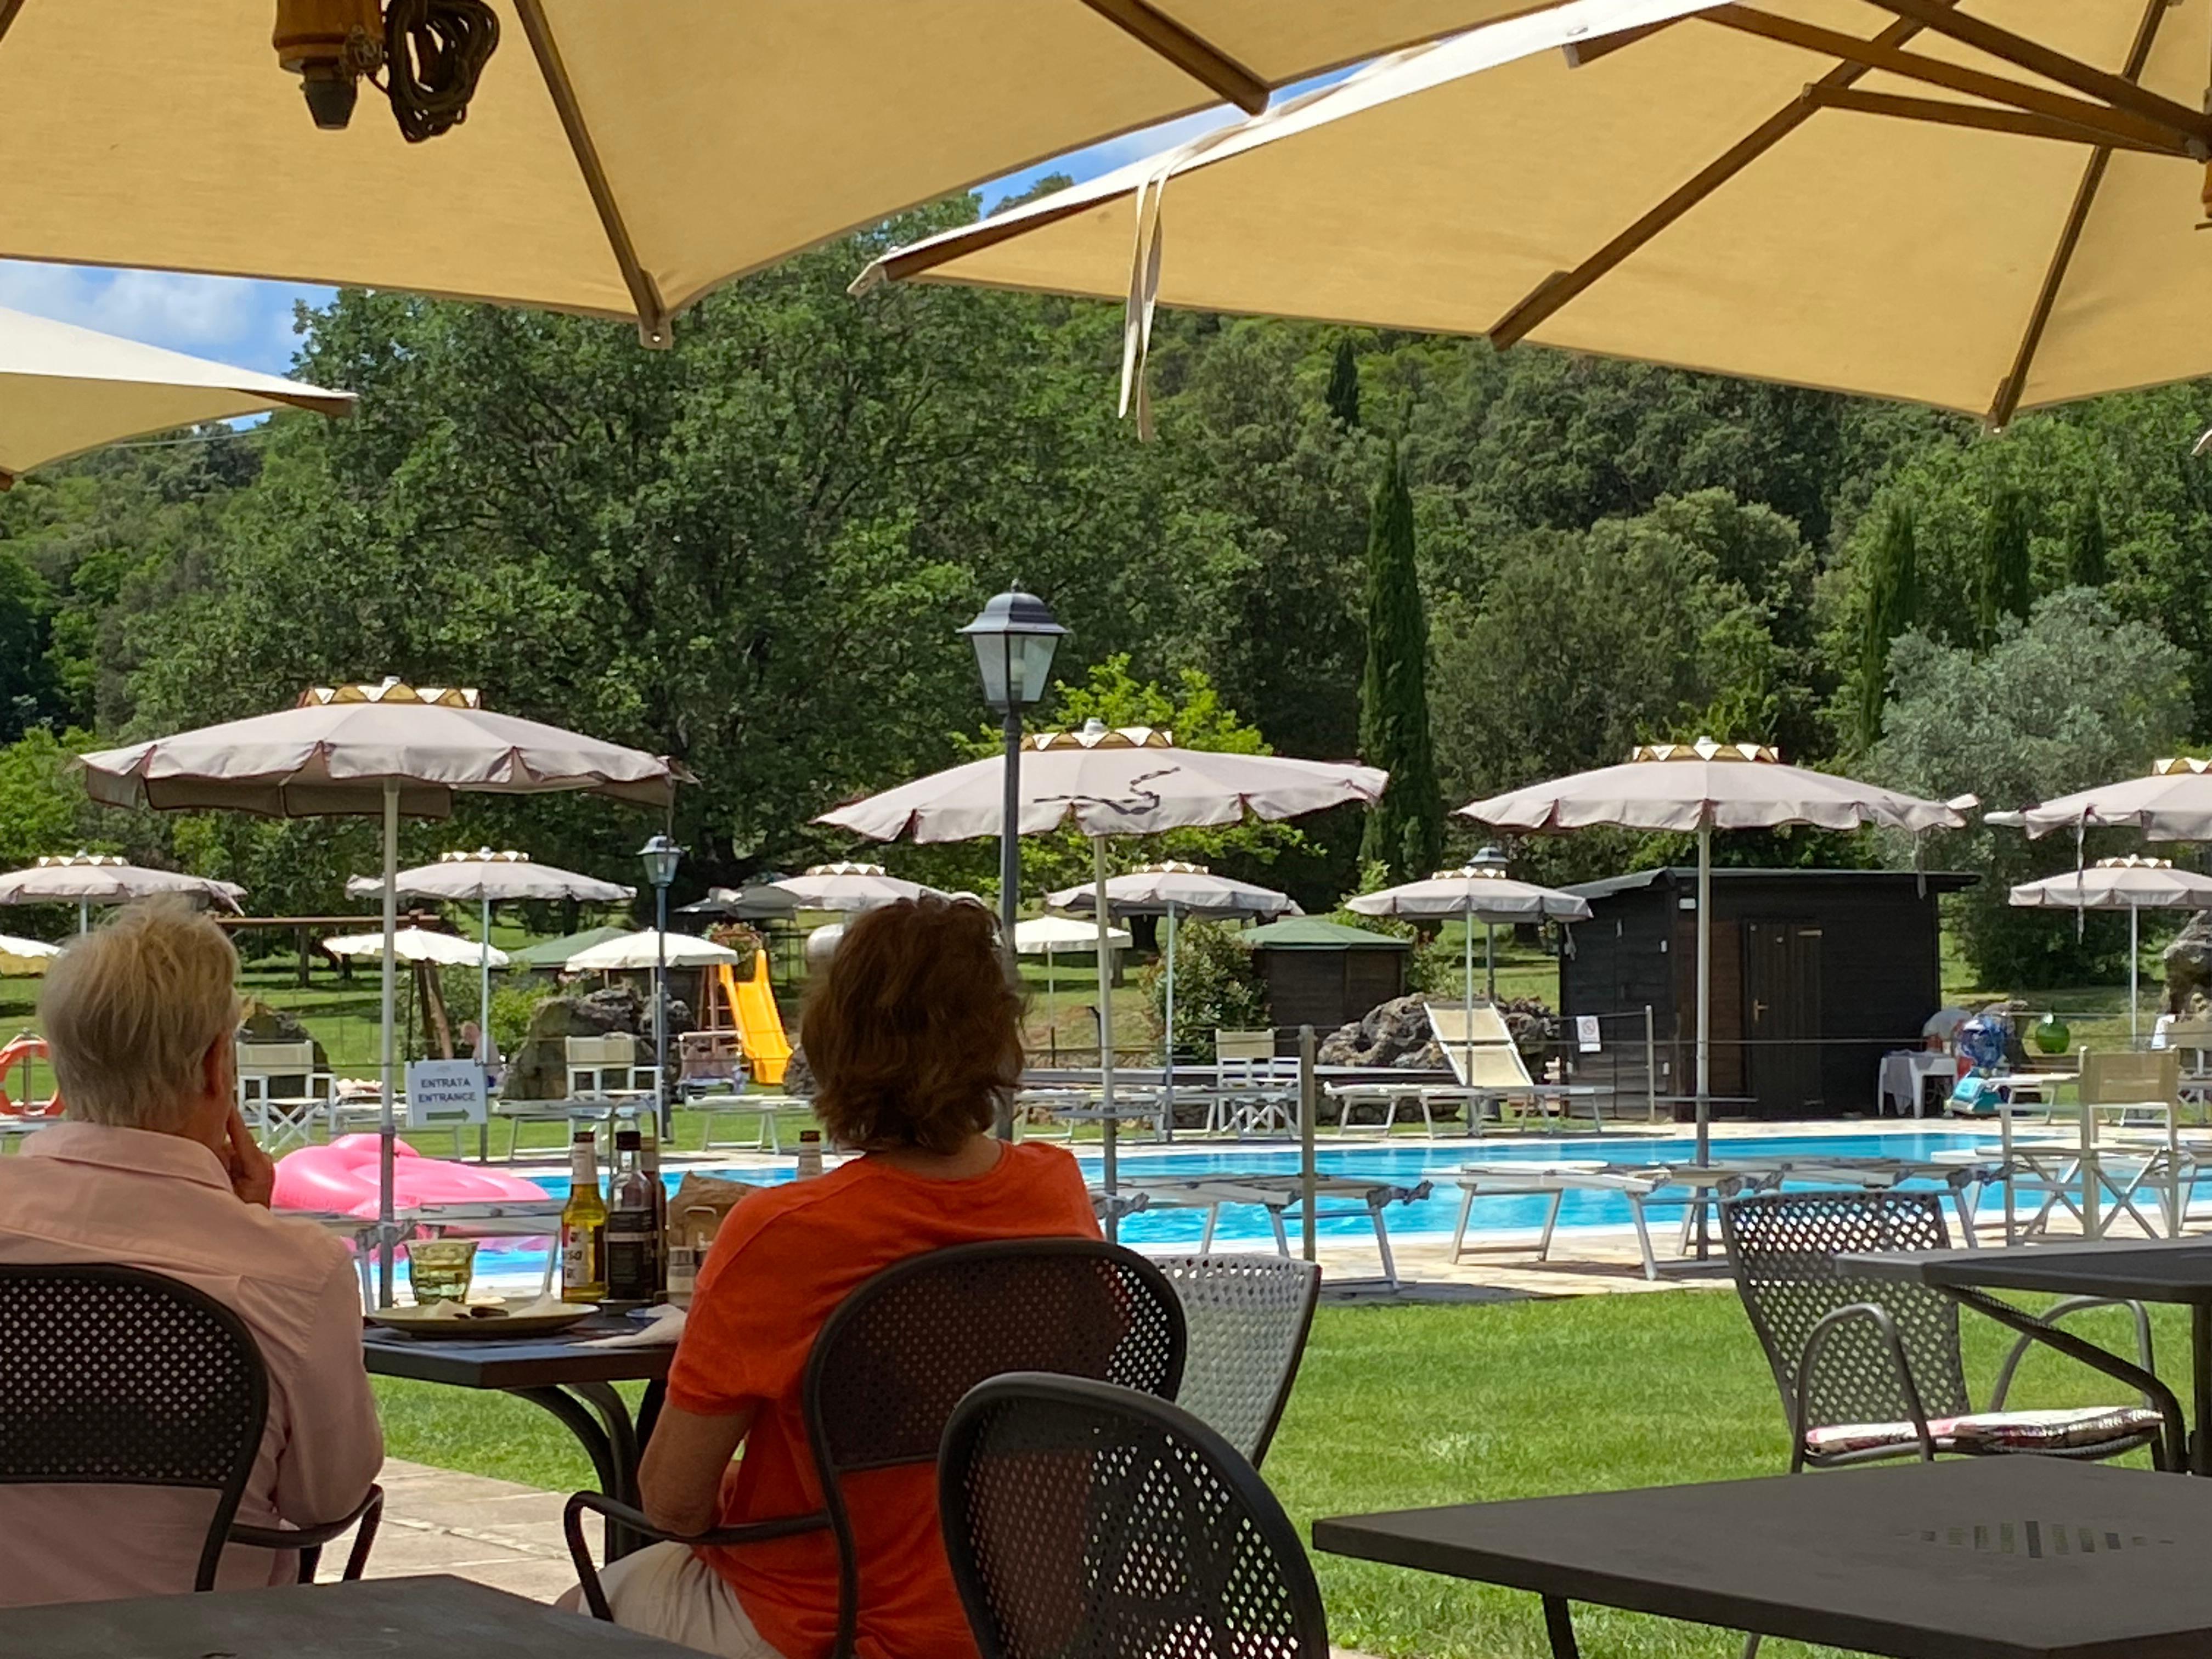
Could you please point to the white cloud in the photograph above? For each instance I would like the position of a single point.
(233, 318)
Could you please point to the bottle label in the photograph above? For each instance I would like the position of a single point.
(581, 1250)
(631, 1259)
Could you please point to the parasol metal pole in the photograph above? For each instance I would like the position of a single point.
(1705, 1011)
(1490, 960)
(1108, 1172)
(1309, 1109)
(483, 989)
(84, 916)
(387, 1234)
(1466, 1012)
(1651, 1068)
(1010, 874)
(2134, 950)
(1166, 1053)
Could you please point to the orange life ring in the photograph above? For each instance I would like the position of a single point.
(20, 1052)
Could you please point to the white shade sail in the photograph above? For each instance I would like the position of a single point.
(2173, 803)
(2123, 883)
(417, 944)
(497, 877)
(1129, 781)
(1869, 195)
(617, 160)
(847, 887)
(333, 753)
(1048, 935)
(635, 952)
(1191, 889)
(1487, 896)
(64, 390)
(93, 878)
(1705, 785)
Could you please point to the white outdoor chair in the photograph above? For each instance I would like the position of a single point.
(281, 1092)
(602, 1067)
(1247, 1317)
(1256, 1090)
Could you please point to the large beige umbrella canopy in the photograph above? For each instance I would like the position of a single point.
(1174, 889)
(88, 879)
(617, 160)
(636, 951)
(2133, 885)
(485, 877)
(849, 886)
(2172, 802)
(1105, 782)
(388, 749)
(64, 390)
(1700, 787)
(1473, 892)
(1987, 207)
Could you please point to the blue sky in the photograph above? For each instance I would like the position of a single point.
(249, 323)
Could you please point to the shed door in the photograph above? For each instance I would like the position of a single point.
(1782, 1016)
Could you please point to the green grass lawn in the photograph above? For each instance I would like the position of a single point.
(1407, 1406)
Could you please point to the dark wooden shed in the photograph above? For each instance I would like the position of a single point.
(1816, 975)
(1325, 974)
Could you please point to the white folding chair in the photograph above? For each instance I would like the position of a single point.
(604, 1066)
(1256, 1090)
(282, 1091)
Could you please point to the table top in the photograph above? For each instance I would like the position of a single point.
(1996, 1558)
(529, 1363)
(2138, 1270)
(448, 1617)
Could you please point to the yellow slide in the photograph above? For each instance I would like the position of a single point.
(759, 1026)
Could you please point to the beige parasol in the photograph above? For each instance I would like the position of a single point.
(64, 390)
(413, 944)
(389, 748)
(2133, 885)
(1702, 787)
(617, 160)
(1986, 208)
(88, 879)
(848, 886)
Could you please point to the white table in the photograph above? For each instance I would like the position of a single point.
(1904, 1075)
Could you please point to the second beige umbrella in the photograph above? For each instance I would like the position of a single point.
(1986, 208)
(88, 879)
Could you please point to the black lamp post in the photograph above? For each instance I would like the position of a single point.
(661, 856)
(1014, 636)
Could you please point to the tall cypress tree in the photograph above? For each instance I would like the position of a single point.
(1343, 394)
(2004, 585)
(1404, 829)
(1892, 605)
(2086, 564)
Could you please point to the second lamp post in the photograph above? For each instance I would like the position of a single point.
(660, 856)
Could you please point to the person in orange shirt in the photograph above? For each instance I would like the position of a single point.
(914, 1037)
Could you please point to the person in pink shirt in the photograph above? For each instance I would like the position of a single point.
(152, 1168)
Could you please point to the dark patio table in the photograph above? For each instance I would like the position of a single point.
(2174, 1270)
(1998, 1558)
(448, 1617)
(562, 1375)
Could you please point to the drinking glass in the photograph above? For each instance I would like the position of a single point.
(439, 1269)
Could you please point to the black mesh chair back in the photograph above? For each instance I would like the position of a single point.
(903, 1349)
(1087, 1522)
(117, 1377)
(1784, 1249)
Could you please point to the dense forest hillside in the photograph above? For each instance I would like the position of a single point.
(752, 552)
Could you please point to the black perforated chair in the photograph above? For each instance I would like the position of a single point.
(114, 1377)
(1871, 1369)
(903, 1349)
(1087, 1522)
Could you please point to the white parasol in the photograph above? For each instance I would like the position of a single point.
(89, 878)
(2132, 884)
(26, 956)
(413, 944)
(485, 877)
(388, 748)
(1171, 889)
(849, 887)
(1474, 892)
(1703, 786)
(636, 951)
(1106, 781)
(2172, 802)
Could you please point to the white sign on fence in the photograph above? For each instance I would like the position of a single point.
(1586, 1033)
(441, 1093)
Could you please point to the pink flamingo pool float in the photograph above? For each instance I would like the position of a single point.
(342, 1177)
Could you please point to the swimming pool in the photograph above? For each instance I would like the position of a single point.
(1403, 1163)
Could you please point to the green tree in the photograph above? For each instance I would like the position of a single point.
(1893, 606)
(2087, 564)
(2076, 697)
(1404, 829)
(1343, 395)
(2005, 585)
(1217, 986)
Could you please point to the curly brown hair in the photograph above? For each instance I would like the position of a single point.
(912, 1033)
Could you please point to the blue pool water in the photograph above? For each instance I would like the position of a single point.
(1403, 1163)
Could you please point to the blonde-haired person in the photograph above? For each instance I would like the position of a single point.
(152, 1168)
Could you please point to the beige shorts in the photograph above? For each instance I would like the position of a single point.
(664, 1590)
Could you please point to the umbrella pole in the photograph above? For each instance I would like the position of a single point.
(1490, 959)
(1106, 1124)
(483, 989)
(84, 916)
(387, 1127)
(2134, 950)
(1704, 1004)
(1166, 1053)
(1466, 1015)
